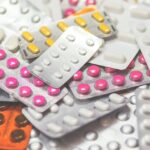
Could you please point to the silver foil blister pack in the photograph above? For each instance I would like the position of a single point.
(17, 81)
(72, 115)
(98, 23)
(58, 64)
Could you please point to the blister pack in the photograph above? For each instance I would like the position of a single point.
(142, 33)
(143, 111)
(58, 64)
(17, 80)
(21, 14)
(37, 41)
(14, 127)
(124, 45)
(93, 81)
(72, 115)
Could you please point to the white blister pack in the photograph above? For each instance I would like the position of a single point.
(17, 81)
(95, 81)
(142, 33)
(124, 45)
(39, 40)
(143, 115)
(58, 64)
(21, 14)
(72, 115)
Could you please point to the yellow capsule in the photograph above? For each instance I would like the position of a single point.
(62, 26)
(80, 21)
(27, 36)
(104, 28)
(98, 17)
(49, 42)
(33, 48)
(45, 31)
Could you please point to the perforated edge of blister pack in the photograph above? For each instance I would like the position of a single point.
(43, 38)
(36, 92)
(143, 115)
(74, 115)
(58, 64)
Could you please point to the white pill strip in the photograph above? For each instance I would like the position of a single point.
(70, 118)
(58, 64)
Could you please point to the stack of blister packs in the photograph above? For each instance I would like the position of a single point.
(74, 75)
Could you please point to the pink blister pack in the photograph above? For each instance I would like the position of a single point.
(19, 82)
(95, 81)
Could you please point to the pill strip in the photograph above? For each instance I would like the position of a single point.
(142, 31)
(124, 45)
(73, 117)
(36, 42)
(58, 64)
(143, 115)
(17, 80)
(93, 81)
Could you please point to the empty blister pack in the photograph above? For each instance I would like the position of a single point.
(143, 115)
(72, 115)
(124, 45)
(58, 64)
(17, 80)
(37, 41)
(93, 81)
(142, 33)
(14, 127)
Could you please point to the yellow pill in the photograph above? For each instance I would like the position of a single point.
(86, 29)
(98, 17)
(80, 21)
(27, 36)
(104, 28)
(49, 42)
(62, 26)
(45, 31)
(33, 48)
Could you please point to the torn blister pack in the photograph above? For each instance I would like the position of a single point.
(143, 115)
(72, 115)
(95, 81)
(20, 14)
(18, 81)
(58, 64)
(141, 31)
(37, 41)
(117, 131)
(124, 45)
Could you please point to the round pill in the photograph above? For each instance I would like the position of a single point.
(2, 54)
(109, 70)
(78, 76)
(69, 12)
(101, 84)
(39, 100)
(118, 80)
(148, 72)
(2, 119)
(2, 73)
(83, 88)
(21, 121)
(4, 106)
(90, 2)
(38, 82)
(17, 135)
(141, 59)
(12, 63)
(11, 82)
(136, 76)
(131, 65)
(53, 91)
(25, 91)
(25, 72)
(73, 2)
(93, 71)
